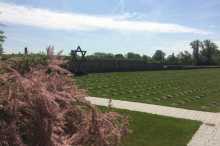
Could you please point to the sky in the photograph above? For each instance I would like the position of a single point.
(111, 26)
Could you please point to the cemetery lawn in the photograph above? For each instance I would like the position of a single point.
(153, 130)
(197, 89)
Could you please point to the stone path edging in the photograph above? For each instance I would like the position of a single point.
(207, 135)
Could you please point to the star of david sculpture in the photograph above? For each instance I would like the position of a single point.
(78, 61)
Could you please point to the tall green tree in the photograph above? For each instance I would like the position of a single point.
(196, 46)
(2, 39)
(146, 58)
(216, 58)
(119, 56)
(209, 50)
(172, 59)
(185, 58)
(133, 56)
(159, 56)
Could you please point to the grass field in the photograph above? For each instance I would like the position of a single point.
(191, 89)
(152, 130)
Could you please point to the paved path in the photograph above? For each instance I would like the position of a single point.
(205, 117)
(207, 135)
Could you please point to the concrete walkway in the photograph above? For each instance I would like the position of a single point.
(207, 135)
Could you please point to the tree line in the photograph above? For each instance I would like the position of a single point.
(204, 53)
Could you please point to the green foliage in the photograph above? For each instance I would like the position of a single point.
(196, 46)
(205, 52)
(109, 56)
(185, 58)
(159, 56)
(119, 56)
(153, 130)
(147, 59)
(100, 55)
(133, 56)
(192, 89)
(216, 58)
(172, 59)
(2, 39)
(209, 49)
(33, 60)
(23, 63)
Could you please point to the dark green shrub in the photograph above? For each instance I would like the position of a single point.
(23, 63)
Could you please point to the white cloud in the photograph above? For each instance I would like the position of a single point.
(129, 16)
(48, 19)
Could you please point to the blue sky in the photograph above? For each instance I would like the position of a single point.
(114, 26)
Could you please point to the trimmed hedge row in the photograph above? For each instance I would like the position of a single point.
(118, 65)
(100, 66)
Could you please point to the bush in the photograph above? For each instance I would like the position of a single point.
(23, 63)
(43, 107)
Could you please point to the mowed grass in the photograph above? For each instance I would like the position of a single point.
(191, 89)
(152, 130)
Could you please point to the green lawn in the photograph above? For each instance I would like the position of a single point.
(152, 130)
(192, 89)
